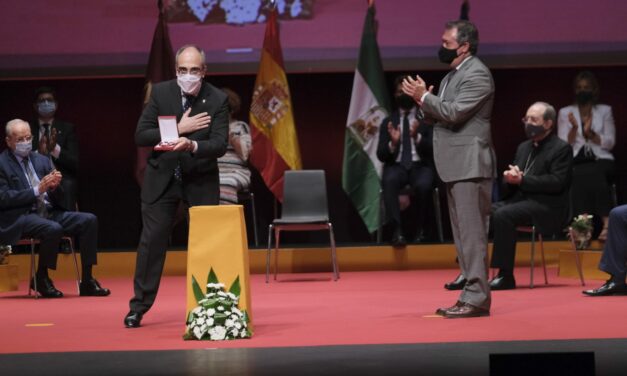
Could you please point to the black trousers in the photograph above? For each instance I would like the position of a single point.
(158, 220)
(506, 216)
(590, 189)
(395, 177)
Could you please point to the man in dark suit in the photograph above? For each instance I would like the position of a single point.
(405, 148)
(464, 157)
(536, 190)
(188, 173)
(31, 206)
(56, 139)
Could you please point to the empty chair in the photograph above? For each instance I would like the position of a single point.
(304, 209)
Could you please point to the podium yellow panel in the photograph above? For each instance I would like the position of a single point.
(8, 277)
(217, 239)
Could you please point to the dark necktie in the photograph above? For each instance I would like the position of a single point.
(406, 144)
(47, 131)
(189, 99)
(41, 205)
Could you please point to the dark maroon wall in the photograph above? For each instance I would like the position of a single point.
(105, 112)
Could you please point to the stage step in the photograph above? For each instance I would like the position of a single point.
(318, 259)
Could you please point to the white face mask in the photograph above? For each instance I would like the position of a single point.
(23, 148)
(189, 83)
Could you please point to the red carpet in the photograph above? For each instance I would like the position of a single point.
(312, 310)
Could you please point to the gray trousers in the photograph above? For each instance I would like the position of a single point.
(469, 203)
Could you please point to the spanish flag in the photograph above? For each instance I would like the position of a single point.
(275, 143)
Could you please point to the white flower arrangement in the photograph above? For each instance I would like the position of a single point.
(217, 316)
(5, 251)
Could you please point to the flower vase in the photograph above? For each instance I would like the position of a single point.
(582, 239)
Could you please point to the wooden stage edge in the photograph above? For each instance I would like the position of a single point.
(350, 258)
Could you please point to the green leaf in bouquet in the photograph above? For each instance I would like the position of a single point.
(210, 303)
(246, 318)
(198, 294)
(235, 287)
(212, 277)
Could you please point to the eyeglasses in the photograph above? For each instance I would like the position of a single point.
(24, 139)
(192, 71)
(532, 120)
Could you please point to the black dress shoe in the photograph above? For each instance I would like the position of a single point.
(465, 311)
(91, 287)
(45, 288)
(398, 240)
(503, 282)
(442, 311)
(133, 319)
(456, 284)
(609, 288)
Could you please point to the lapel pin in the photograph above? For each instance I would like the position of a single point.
(203, 101)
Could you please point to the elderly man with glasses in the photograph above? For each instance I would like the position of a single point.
(536, 188)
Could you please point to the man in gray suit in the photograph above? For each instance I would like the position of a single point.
(464, 157)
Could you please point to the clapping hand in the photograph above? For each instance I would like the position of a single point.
(513, 175)
(183, 144)
(395, 134)
(415, 88)
(50, 181)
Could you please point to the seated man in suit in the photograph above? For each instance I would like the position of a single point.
(536, 190)
(31, 204)
(614, 255)
(405, 147)
(56, 139)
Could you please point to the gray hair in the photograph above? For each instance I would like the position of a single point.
(183, 48)
(466, 32)
(8, 128)
(549, 111)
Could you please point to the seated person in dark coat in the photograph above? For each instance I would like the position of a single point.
(31, 206)
(537, 185)
(614, 256)
(405, 147)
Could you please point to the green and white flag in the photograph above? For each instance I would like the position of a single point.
(361, 170)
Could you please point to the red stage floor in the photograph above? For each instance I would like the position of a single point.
(388, 307)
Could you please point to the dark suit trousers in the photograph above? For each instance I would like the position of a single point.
(506, 216)
(615, 249)
(84, 226)
(158, 220)
(395, 178)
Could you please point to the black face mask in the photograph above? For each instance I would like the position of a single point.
(532, 130)
(584, 97)
(405, 102)
(447, 56)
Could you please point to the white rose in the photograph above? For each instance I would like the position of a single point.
(198, 333)
(210, 321)
(229, 323)
(217, 333)
(211, 312)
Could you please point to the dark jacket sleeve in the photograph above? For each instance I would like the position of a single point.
(383, 150)
(556, 177)
(68, 158)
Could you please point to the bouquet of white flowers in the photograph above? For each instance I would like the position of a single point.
(5, 251)
(217, 316)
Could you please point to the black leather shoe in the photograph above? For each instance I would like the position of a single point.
(398, 240)
(456, 284)
(133, 319)
(465, 311)
(503, 282)
(45, 288)
(442, 311)
(609, 288)
(91, 287)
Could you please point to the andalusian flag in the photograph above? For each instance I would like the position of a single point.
(275, 143)
(361, 172)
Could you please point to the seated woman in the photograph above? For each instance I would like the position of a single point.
(234, 172)
(589, 128)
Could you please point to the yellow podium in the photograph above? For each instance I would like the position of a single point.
(217, 240)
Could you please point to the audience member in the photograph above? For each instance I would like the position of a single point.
(614, 255)
(56, 139)
(233, 166)
(536, 190)
(588, 127)
(405, 147)
(31, 204)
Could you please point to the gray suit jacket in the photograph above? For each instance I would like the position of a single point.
(462, 141)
